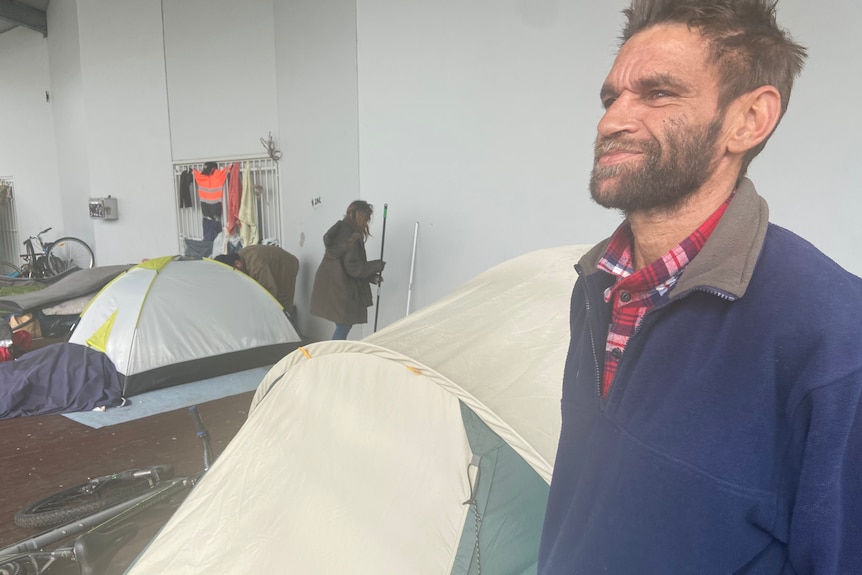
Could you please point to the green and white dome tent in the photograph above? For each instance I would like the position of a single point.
(426, 448)
(173, 320)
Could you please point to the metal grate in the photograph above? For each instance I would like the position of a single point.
(263, 173)
(9, 250)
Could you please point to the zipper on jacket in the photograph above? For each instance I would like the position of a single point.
(588, 309)
(598, 370)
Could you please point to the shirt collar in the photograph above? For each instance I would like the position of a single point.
(661, 274)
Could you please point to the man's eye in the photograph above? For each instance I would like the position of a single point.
(659, 94)
(608, 102)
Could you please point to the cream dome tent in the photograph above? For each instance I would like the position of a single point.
(172, 320)
(426, 448)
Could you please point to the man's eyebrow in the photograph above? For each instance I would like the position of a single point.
(656, 81)
(661, 81)
(606, 92)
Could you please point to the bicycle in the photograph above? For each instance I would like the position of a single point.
(46, 259)
(10, 270)
(91, 521)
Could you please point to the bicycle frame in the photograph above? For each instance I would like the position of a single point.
(33, 550)
(105, 524)
(35, 262)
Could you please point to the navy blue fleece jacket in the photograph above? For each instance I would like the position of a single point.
(731, 439)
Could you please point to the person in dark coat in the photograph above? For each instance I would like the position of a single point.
(342, 291)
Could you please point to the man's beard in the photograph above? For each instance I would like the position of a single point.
(664, 178)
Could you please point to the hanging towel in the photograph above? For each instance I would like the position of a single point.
(234, 197)
(248, 210)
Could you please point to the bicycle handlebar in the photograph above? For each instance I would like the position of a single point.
(39, 235)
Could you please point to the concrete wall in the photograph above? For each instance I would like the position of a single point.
(318, 127)
(27, 138)
(474, 120)
(70, 123)
(220, 60)
(126, 133)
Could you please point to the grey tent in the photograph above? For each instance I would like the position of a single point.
(172, 320)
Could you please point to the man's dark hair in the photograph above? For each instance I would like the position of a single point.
(747, 46)
(229, 259)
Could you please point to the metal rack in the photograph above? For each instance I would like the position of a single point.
(9, 241)
(265, 182)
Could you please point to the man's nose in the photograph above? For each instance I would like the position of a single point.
(619, 117)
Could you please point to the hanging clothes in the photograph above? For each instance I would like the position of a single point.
(234, 197)
(186, 183)
(212, 228)
(210, 184)
(248, 210)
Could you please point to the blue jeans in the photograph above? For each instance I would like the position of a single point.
(341, 330)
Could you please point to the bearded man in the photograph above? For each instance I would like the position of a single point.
(710, 415)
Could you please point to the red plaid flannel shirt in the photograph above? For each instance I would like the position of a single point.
(636, 292)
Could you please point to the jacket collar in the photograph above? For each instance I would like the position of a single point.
(727, 260)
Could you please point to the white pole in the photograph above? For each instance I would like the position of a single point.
(412, 267)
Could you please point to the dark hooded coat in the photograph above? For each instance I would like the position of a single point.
(273, 268)
(342, 291)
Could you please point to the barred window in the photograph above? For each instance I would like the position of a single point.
(9, 243)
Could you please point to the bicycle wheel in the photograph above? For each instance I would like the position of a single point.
(10, 270)
(79, 501)
(15, 567)
(67, 253)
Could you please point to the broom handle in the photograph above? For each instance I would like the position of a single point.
(412, 267)
(382, 242)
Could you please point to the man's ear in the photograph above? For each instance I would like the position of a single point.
(752, 118)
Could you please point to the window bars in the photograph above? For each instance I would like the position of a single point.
(9, 246)
(264, 178)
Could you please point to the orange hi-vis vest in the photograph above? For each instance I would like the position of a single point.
(211, 187)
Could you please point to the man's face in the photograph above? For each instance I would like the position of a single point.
(659, 139)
